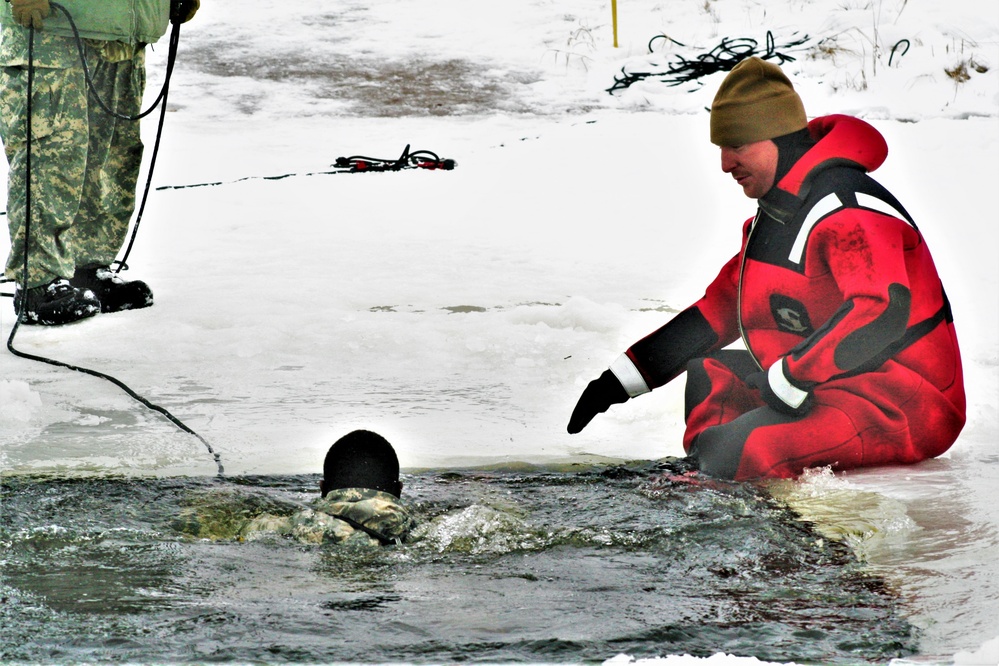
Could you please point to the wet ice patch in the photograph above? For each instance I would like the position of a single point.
(18, 402)
(578, 312)
(988, 653)
(368, 86)
(91, 420)
(865, 521)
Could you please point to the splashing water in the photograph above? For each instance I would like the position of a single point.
(542, 565)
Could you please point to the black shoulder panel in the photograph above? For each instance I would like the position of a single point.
(871, 341)
(848, 182)
(664, 354)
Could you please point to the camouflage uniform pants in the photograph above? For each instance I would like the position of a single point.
(84, 163)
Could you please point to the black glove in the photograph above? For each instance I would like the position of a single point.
(182, 11)
(761, 381)
(598, 395)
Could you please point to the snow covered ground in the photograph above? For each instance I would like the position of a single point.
(460, 313)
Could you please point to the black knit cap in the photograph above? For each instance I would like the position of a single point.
(362, 459)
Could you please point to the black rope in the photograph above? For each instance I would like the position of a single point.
(171, 56)
(721, 58)
(120, 384)
(171, 59)
(27, 230)
(29, 112)
(664, 38)
(382, 538)
(895, 48)
(215, 183)
(419, 159)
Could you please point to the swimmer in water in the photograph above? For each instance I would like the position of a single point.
(360, 503)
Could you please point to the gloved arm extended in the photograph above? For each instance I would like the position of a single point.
(597, 397)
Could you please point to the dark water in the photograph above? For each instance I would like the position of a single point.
(528, 565)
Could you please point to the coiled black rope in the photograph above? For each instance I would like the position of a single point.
(418, 159)
(27, 231)
(722, 58)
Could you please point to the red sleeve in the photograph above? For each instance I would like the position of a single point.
(720, 302)
(705, 326)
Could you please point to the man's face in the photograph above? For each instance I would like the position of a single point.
(753, 165)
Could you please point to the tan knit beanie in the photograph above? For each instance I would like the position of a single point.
(755, 102)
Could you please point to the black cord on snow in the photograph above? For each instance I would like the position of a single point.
(27, 236)
(417, 159)
(663, 37)
(721, 58)
(120, 384)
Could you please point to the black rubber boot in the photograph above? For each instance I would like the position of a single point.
(55, 303)
(114, 293)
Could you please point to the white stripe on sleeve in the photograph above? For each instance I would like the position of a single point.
(629, 376)
(791, 395)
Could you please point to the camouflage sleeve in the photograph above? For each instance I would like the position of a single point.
(376, 510)
(263, 525)
(317, 527)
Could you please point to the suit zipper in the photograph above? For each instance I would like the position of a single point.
(742, 270)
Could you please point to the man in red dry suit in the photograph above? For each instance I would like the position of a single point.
(851, 357)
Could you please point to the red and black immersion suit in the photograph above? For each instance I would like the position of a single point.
(836, 297)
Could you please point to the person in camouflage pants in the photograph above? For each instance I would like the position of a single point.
(85, 162)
